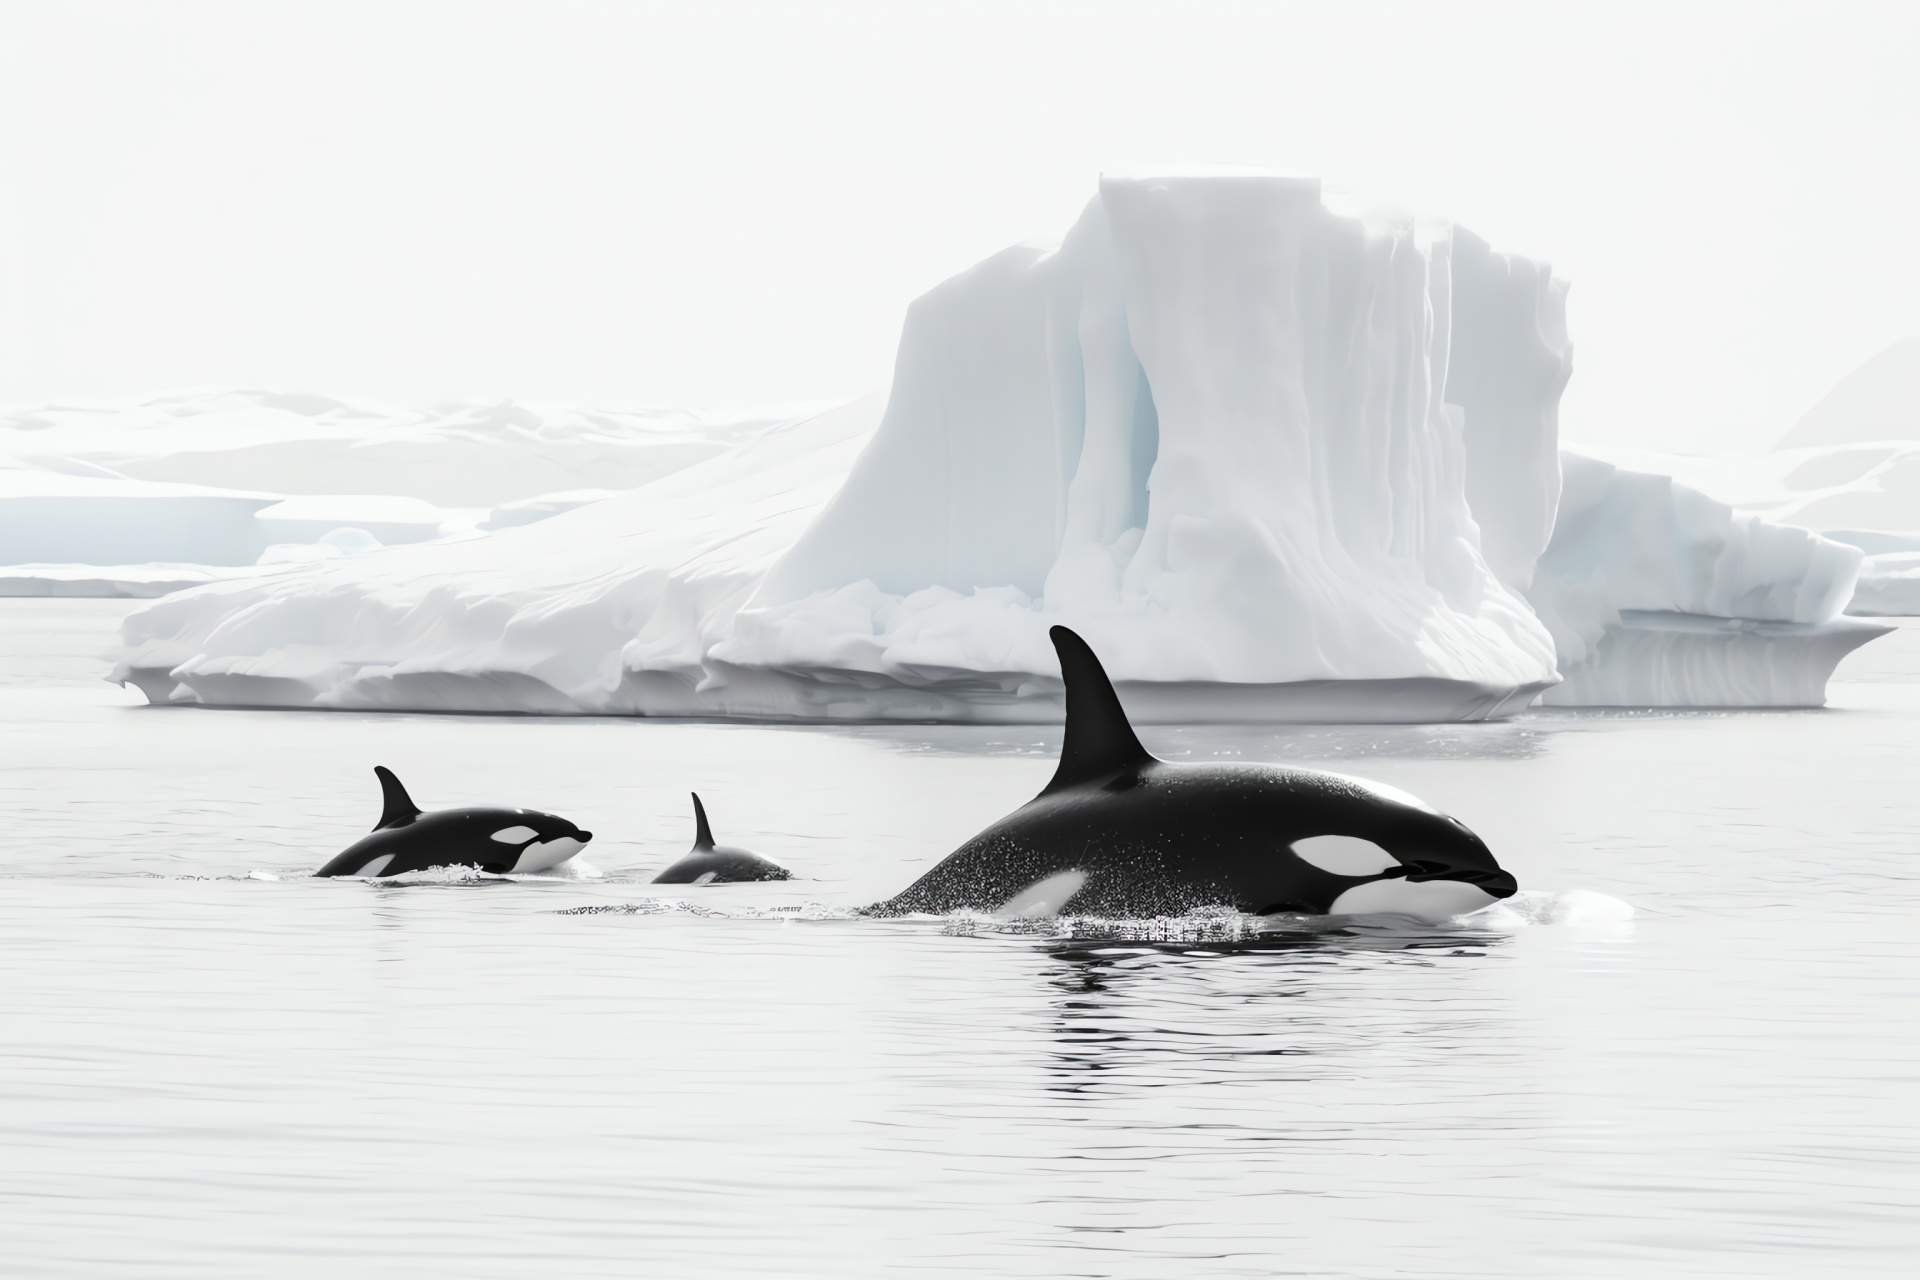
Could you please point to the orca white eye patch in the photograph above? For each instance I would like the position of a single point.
(1344, 855)
(515, 835)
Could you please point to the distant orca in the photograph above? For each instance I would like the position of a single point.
(495, 840)
(1118, 833)
(707, 864)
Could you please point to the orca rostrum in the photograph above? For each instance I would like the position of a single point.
(493, 840)
(1120, 834)
(708, 863)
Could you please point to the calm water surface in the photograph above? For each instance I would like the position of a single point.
(211, 1066)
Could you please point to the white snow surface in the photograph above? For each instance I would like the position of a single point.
(604, 608)
(221, 479)
(457, 455)
(1273, 460)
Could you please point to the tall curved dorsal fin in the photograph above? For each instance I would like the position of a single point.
(702, 833)
(1099, 740)
(396, 806)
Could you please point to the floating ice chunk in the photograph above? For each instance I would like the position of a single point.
(1889, 586)
(49, 517)
(331, 546)
(1657, 595)
(385, 518)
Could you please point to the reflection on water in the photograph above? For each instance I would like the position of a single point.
(1111, 1027)
(215, 1066)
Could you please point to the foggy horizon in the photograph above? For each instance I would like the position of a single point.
(733, 208)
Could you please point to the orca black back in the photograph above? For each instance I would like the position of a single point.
(498, 841)
(1121, 834)
(708, 863)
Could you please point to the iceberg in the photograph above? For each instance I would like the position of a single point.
(1211, 431)
(1276, 460)
(51, 516)
(1656, 595)
(1849, 470)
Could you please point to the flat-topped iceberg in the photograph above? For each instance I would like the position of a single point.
(1273, 460)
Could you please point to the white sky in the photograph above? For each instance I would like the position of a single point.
(708, 204)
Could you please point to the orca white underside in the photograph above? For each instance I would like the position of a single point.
(545, 855)
(536, 857)
(1428, 901)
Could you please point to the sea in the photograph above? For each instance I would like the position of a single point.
(1692, 1049)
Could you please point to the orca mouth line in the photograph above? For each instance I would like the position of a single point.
(1500, 884)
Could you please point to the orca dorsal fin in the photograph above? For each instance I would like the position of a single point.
(396, 806)
(1099, 739)
(702, 833)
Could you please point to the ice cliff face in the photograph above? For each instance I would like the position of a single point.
(1274, 461)
(1220, 429)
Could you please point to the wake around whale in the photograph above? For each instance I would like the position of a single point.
(494, 840)
(708, 863)
(1121, 834)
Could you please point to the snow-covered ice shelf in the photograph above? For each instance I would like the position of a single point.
(230, 479)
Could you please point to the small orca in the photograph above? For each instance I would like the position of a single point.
(1121, 834)
(494, 840)
(707, 863)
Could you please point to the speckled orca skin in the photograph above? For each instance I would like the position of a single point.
(495, 840)
(1120, 834)
(707, 863)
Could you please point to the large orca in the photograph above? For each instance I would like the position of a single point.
(495, 840)
(1121, 834)
(707, 863)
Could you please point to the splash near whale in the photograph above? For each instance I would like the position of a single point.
(1122, 834)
